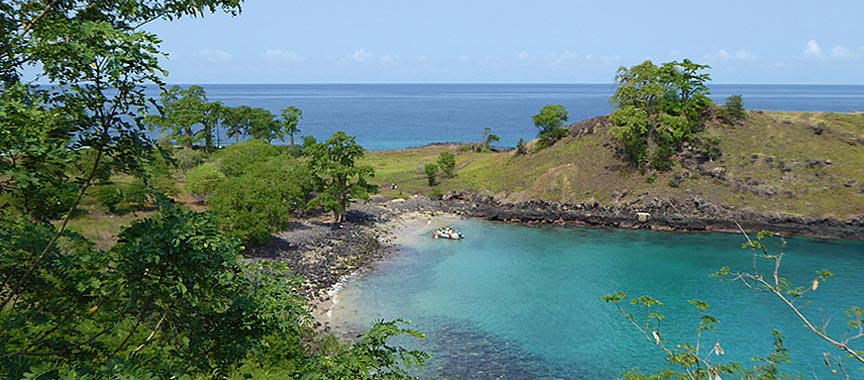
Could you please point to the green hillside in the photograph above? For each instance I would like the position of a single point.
(810, 164)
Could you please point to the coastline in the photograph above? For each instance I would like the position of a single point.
(327, 256)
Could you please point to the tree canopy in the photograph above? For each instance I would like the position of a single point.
(657, 109)
(338, 177)
(550, 121)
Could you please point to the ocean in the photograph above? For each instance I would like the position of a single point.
(396, 116)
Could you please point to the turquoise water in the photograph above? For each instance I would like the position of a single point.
(519, 302)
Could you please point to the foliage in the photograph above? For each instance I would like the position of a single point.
(261, 200)
(447, 163)
(488, 138)
(733, 111)
(521, 147)
(263, 125)
(181, 109)
(337, 177)
(240, 158)
(431, 170)
(550, 121)
(188, 158)
(686, 361)
(371, 357)
(699, 360)
(204, 178)
(171, 299)
(657, 109)
(291, 116)
(109, 195)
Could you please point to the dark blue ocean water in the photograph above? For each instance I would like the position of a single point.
(519, 302)
(393, 116)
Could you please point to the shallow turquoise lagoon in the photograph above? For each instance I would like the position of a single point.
(519, 302)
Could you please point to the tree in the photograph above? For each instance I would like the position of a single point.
(550, 121)
(488, 139)
(657, 109)
(212, 117)
(431, 171)
(338, 178)
(291, 116)
(263, 125)
(236, 121)
(733, 111)
(181, 110)
(447, 162)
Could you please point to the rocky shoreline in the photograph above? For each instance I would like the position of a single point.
(325, 255)
(689, 215)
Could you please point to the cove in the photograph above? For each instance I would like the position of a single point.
(523, 302)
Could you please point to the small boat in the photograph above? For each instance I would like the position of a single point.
(447, 233)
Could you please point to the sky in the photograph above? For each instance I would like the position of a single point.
(508, 41)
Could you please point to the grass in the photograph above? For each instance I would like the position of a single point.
(584, 168)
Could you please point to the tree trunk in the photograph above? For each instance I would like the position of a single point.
(208, 141)
(188, 134)
(291, 135)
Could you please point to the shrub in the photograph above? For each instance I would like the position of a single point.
(239, 158)
(204, 178)
(109, 195)
(188, 158)
(252, 206)
(550, 137)
(521, 147)
(431, 170)
(733, 111)
(447, 163)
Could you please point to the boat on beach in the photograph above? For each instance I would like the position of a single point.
(447, 233)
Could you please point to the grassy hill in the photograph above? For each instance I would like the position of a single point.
(810, 164)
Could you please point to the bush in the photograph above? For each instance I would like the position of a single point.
(431, 170)
(188, 158)
(521, 147)
(733, 111)
(109, 195)
(550, 137)
(239, 158)
(137, 194)
(204, 178)
(447, 163)
(252, 206)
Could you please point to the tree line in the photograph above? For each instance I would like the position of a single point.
(188, 117)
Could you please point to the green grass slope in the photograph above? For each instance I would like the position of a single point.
(810, 164)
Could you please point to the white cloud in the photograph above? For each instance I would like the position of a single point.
(363, 56)
(813, 50)
(464, 58)
(215, 55)
(281, 56)
(524, 56)
(725, 55)
(841, 52)
(745, 55)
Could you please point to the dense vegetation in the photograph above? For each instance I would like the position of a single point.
(658, 109)
(171, 298)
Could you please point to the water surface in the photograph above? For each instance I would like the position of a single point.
(518, 302)
(395, 116)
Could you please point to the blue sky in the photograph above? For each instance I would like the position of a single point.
(504, 41)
